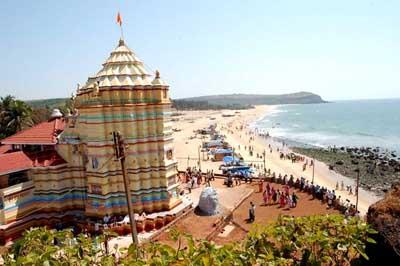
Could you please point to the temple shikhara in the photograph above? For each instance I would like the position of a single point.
(65, 168)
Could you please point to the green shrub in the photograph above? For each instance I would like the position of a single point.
(310, 240)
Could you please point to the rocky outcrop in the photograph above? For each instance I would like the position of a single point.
(208, 202)
(384, 216)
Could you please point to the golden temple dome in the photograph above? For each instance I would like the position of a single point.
(157, 81)
(122, 68)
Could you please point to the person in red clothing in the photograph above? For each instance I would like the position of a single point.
(265, 197)
(282, 200)
(260, 185)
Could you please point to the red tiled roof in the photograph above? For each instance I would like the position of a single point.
(14, 162)
(5, 148)
(19, 161)
(44, 133)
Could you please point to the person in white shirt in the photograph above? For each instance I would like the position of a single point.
(126, 219)
(96, 228)
(106, 219)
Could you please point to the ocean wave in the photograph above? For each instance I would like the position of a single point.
(337, 124)
(275, 111)
(365, 134)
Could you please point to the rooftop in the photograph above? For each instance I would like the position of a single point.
(122, 68)
(20, 161)
(5, 148)
(14, 162)
(45, 133)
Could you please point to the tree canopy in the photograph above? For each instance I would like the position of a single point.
(311, 240)
(15, 115)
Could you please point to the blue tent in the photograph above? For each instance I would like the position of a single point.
(212, 143)
(240, 172)
(230, 160)
(220, 151)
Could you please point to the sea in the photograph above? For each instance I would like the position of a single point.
(361, 123)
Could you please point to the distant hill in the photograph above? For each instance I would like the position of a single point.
(228, 101)
(259, 99)
(47, 103)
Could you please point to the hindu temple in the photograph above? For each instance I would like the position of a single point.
(66, 167)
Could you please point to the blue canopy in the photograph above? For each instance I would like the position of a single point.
(216, 142)
(242, 172)
(222, 151)
(230, 160)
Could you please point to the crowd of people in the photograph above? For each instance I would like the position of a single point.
(193, 178)
(282, 197)
(320, 192)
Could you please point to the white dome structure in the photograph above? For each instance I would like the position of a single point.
(56, 113)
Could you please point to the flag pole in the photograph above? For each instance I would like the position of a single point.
(119, 21)
(122, 31)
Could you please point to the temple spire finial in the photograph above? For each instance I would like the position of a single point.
(119, 22)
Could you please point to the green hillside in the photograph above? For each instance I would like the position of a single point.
(259, 99)
(228, 101)
(47, 103)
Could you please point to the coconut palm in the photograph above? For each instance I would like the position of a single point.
(15, 115)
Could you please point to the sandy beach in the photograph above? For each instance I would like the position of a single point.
(187, 149)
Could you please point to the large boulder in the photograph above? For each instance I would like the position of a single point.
(384, 216)
(208, 203)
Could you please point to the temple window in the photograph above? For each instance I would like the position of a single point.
(17, 178)
(165, 94)
(16, 147)
(96, 189)
(95, 163)
(169, 154)
(74, 148)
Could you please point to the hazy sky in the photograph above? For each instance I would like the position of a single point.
(338, 49)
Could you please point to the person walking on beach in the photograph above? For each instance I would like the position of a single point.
(282, 200)
(265, 197)
(260, 185)
(189, 185)
(294, 200)
(193, 181)
(288, 201)
(276, 196)
(207, 180)
(271, 195)
(252, 212)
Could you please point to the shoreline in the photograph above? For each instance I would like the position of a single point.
(300, 127)
(238, 132)
(378, 181)
(380, 166)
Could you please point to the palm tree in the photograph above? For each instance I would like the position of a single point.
(15, 115)
(5, 102)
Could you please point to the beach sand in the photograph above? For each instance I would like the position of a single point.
(187, 149)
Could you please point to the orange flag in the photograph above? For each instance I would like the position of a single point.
(119, 19)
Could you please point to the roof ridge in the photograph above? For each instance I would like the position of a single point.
(41, 134)
(22, 131)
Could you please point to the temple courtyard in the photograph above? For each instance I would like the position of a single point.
(231, 224)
